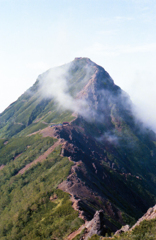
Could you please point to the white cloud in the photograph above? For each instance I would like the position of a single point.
(54, 84)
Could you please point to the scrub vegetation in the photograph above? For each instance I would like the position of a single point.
(31, 206)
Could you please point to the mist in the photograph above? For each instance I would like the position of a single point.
(142, 93)
(58, 84)
(109, 137)
(55, 84)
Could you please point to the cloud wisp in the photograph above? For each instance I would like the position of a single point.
(55, 84)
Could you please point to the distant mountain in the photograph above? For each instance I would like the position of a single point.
(71, 147)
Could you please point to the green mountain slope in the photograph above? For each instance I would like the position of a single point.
(33, 105)
(73, 132)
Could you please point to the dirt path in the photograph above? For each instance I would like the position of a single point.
(46, 132)
(42, 157)
(74, 234)
(2, 166)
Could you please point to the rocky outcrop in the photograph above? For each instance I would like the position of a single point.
(123, 229)
(90, 228)
(150, 214)
(95, 226)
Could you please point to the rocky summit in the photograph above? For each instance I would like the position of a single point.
(74, 159)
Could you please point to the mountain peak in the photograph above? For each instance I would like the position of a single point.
(85, 59)
(73, 131)
(82, 58)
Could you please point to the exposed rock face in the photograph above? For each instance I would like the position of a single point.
(96, 225)
(150, 214)
(123, 229)
(83, 151)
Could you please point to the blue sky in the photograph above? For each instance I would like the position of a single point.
(119, 35)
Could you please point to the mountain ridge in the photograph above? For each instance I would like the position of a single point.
(107, 153)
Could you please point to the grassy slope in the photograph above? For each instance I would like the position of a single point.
(31, 206)
(25, 200)
(33, 111)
